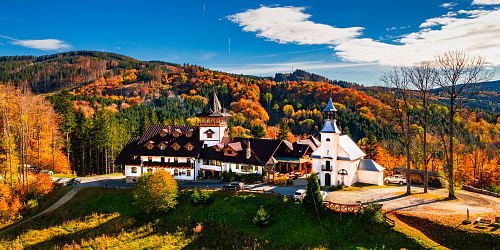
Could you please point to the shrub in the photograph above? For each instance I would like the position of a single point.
(371, 214)
(39, 185)
(290, 182)
(494, 188)
(30, 206)
(280, 180)
(332, 188)
(313, 199)
(261, 218)
(199, 196)
(156, 192)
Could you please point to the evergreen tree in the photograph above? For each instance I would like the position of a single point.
(313, 200)
(284, 130)
(370, 146)
(154, 119)
(258, 131)
(143, 126)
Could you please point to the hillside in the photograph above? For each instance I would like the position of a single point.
(113, 97)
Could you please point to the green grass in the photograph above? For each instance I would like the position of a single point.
(360, 185)
(99, 219)
(63, 176)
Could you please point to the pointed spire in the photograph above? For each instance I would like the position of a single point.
(330, 116)
(330, 107)
(213, 107)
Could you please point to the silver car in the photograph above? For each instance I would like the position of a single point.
(399, 179)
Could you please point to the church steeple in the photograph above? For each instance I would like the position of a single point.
(330, 117)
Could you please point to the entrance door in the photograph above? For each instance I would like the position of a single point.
(208, 174)
(216, 174)
(328, 180)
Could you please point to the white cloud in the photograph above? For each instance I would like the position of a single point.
(486, 2)
(291, 25)
(476, 33)
(45, 44)
(448, 5)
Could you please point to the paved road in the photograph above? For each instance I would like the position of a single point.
(288, 191)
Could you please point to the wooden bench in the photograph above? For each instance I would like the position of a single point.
(483, 221)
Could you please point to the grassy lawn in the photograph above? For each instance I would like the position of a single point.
(95, 219)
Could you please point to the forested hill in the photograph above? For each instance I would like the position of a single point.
(109, 97)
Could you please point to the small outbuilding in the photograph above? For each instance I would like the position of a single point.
(370, 172)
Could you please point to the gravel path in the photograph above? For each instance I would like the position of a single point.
(394, 199)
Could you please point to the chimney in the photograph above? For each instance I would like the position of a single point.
(249, 150)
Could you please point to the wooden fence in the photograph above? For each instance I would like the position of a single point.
(480, 191)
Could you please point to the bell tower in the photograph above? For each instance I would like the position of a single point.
(212, 122)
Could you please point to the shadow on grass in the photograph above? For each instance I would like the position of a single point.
(449, 236)
(226, 221)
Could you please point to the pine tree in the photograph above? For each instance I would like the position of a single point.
(313, 200)
(154, 119)
(284, 130)
(143, 126)
(370, 146)
(258, 131)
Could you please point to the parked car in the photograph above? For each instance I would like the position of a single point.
(399, 179)
(233, 186)
(299, 194)
(61, 182)
(323, 195)
(47, 172)
(74, 181)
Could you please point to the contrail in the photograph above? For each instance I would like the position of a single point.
(10, 38)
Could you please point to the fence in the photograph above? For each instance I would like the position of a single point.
(480, 191)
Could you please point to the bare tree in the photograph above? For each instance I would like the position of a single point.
(461, 77)
(423, 77)
(398, 82)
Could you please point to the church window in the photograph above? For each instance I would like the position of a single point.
(327, 139)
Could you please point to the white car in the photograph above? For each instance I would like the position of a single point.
(323, 195)
(299, 194)
(399, 179)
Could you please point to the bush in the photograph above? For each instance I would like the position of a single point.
(156, 192)
(261, 218)
(199, 196)
(371, 214)
(313, 199)
(494, 188)
(332, 188)
(30, 206)
(279, 180)
(230, 176)
(290, 182)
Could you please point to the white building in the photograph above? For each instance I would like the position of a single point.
(339, 160)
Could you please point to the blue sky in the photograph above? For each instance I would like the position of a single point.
(347, 40)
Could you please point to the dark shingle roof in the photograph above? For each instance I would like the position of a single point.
(125, 156)
(213, 107)
(262, 151)
(153, 134)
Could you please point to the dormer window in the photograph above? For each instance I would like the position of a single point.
(149, 145)
(209, 133)
(163, 133)
(176, 146)
(217, 149)
(189, 147)
(177, 133)
(162, 146)
(189, 133)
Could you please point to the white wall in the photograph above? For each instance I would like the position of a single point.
(216, 137)
(128, 172)
(225, 166)
(371, 177)
(158, 159)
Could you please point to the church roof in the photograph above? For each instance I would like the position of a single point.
(350, 147)
(213, 107)
(370, 165)
(330, 127)
(329, 106)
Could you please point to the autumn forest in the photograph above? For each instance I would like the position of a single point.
(73, 112)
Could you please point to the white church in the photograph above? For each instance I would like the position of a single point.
(339, 160)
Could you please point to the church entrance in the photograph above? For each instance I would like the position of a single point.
(328, 180)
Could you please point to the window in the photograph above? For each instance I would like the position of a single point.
(237, 166)
(150, 159)
(218, 163)
(176, 160)
(327, 139)
(328, 152)
(189, 172)
(209, 135)
(134, 170)
(189, 147)
(150, 170)
(176, 172)
(176, 146)
(212, 162)
(163, 159)
(229, 152)
(205, 162)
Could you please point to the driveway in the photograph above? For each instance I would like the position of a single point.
(394, 199)
(288, 191)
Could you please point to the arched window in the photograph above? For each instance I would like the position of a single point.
(327, 139)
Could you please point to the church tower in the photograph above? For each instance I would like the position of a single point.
(330, 136)
(213, 123)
